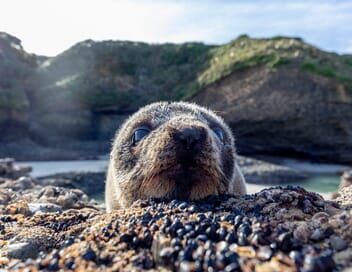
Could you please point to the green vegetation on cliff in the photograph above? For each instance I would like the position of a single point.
(331, 70)
(118, 74)
(245, 52)
(125, 75)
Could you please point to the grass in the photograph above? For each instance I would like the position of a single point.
(327, 71)
(244, 53)
(320, 70)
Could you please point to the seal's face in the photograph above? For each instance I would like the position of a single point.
(173, 150)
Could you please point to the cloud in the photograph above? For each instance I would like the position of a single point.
(49, 27)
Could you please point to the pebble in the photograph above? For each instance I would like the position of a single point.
(166, 254)
(23, 250)
(338, 243)
(44, 208)
(323, 263)
(274, 230)
(320, 217)
(302, 233)
(89, 255)
(317, 235)
(285, 242)
(265, 253)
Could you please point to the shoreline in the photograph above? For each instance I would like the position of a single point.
(85, 167)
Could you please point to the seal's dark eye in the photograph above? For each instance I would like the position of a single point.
(138, 134)
(219, 133)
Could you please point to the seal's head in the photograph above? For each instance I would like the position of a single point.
(172, 150)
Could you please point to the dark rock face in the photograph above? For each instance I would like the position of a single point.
(16, 69)
(285, 112)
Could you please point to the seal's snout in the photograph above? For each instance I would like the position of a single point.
(190, 138)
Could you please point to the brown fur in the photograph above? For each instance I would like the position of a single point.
(346, 179)
(153, 169)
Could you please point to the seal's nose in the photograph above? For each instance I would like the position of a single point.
(190, 137)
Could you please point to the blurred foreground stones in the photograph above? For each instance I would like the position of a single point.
(50, 228)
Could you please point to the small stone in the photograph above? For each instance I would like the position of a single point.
(202, 237)
(4, 261)
(183, 205)
(25, 183)
(166, 254)
(317, 235)
(231, 238)
(23, 250)
(186, 266)
(264, 253)
(338, 243)
(320, 217)
(297, 257)
(302, 233)
(44, 208)
(89, 255)
(285, 241)
(186, 254)
(192, 209)
(321, 263)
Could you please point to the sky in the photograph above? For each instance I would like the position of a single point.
(48, 27)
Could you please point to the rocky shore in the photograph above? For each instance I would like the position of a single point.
(47, 227)
(63, 149)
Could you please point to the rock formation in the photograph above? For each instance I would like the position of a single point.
(281, 96)
(45, 227)
(8, 169)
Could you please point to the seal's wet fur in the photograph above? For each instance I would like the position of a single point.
(189, 153)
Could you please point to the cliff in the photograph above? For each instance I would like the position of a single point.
(280, 95)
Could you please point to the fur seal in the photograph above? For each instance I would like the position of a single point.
(172, 150)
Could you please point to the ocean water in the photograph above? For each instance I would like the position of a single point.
(325, 178)
(45, 168)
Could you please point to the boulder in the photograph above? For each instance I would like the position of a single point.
(8, 169)
(284, 112)
(261, 172)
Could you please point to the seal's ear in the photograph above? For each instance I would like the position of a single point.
(239, 186)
